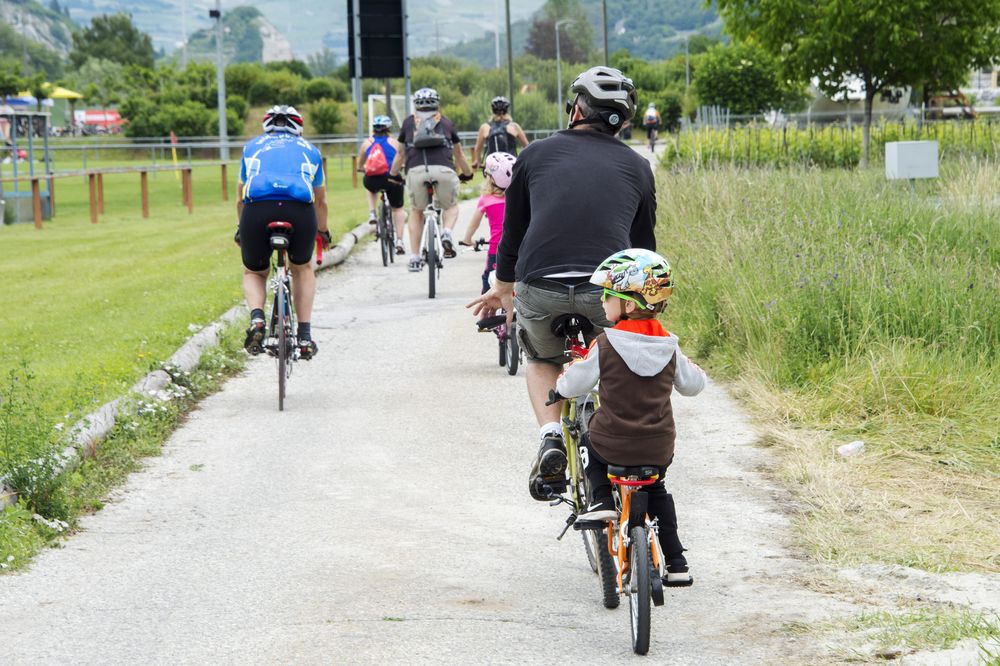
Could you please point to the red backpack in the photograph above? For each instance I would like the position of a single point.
(375, 163)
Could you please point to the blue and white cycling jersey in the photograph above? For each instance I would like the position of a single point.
(280, 167)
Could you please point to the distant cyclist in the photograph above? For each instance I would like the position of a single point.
(575, 198)
(651, 121)
(376, 155)
(499, 135)
(281, 179)
(433, 148)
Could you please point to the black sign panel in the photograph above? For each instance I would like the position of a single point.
(381, 38)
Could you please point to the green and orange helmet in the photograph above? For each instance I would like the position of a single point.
(637, 275)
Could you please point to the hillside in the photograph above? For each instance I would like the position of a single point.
(311, 25)
(249, 38)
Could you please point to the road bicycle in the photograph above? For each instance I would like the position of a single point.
(384, 230)
(510, 350)
(432, 252)
(653, 135)
(575, 421)
(280, 341)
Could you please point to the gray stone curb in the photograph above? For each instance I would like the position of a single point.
(87, 433)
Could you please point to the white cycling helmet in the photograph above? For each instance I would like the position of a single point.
(381, 123)
(609, 92)
(500, 167)
(426, 99)
(283, 118)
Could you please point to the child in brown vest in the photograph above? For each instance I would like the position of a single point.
(638, 364)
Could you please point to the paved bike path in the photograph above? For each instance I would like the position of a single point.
(384, 518)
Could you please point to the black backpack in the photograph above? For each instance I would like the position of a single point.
(499, 139)
(428, 133)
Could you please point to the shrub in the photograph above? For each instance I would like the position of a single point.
(324, 116)
(239, 105)
(317, 89)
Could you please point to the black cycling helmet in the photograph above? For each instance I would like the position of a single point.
(500, 105)
(608, 92)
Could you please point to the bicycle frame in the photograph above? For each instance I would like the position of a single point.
(619, 541)
(432, 215)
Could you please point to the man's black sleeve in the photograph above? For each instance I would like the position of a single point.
(517, 215)
(643, 234)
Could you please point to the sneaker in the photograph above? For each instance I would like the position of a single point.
(255, 337)
(600, 510)
(550, 466)
(399, 248)
(414, 265)
(372, 217)
(449, 247)
(307, 349)
(678, 574)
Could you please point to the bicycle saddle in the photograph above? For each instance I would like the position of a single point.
(645, 474)
(570, 325)
(280, 226)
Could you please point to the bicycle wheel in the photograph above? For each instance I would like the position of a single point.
(390, 231)
(639, 589)
(513, 350)
(502, 346)
(595, 542)
(281, 298)
(432, 258)
(383, 240)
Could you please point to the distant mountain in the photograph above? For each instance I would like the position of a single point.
(309, 25)
(649, 29)
(38, 23)
(249, 38)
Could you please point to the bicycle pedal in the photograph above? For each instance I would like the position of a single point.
(581, 525)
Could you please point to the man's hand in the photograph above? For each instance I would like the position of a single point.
(499, 297)
(327, 238)
(475, 164)
(465, 177)
(395, 179)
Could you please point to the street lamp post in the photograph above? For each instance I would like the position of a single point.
(220, 81)
(559, 103)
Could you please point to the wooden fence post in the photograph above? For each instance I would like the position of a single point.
(187, 189)
(144, 187)
(92, 180)
(36, 202)
(225, 184)
(100, 193)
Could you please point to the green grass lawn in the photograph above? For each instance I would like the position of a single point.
(91, 308)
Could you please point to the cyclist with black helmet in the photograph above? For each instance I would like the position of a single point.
(575, 198)
(281, 178)
(433, 148)
(498, 135)
(376, 155)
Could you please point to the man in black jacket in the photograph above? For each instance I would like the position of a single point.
(575, 198)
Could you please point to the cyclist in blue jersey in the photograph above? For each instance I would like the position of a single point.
(374, 159)
(281, 178)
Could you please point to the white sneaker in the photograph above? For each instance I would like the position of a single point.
(414, 265)
(599, 511)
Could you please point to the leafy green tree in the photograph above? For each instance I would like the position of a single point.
(322, 63)
(10, 83)
(40, 89)
(112, 38)
(241, 76)
(883, 44)
(745, 79)
(575, 39)
(296, 67)
(238, 105)
(324, 116)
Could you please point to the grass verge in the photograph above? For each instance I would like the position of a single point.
(874, 636)
(846, 307)
(43, 518)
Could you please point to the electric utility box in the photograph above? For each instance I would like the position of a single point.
(908, 160)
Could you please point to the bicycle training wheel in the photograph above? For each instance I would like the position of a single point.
(513, 350)
(639, 589)
(432, 258)
(281, 299)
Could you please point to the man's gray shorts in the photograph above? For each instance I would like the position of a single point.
(541, 301)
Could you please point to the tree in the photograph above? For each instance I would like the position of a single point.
(112, 38)
(745, 79)
(322, 63)
(575, 39)
(882, 44)
(10, 83)
(40, 89)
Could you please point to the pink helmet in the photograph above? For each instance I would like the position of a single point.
(500, 167)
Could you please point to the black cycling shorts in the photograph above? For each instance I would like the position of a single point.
(393, 191)
(255, 239)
